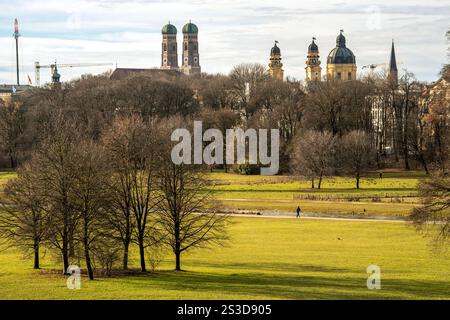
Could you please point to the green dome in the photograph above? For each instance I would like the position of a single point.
(313, 47)
(169, 29)
(275, 49)
(190, 28)
(341, 54)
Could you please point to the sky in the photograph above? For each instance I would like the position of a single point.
(128, 33)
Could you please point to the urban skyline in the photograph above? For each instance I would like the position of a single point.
(230, 33)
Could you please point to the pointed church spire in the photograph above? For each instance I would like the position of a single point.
(393, 71)
(393, 62)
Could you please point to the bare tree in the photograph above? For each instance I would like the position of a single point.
(107, 252)
(90, 195)
(119, 152)
(221, 119)
(182, 213)
(132, 147)
(24, 217)
(356, 153)
(11, 129)
(437, 122)
(246, 81)
(215, 92)
(433, 217)
(56, 176)
(312, 154)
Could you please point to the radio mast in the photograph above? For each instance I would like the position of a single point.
(16, 36)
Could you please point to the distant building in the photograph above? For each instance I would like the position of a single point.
(341, 62)
(190, 54)
(313, 68)
(275, 66)
(191, 57)
(169, 55)
(393, 70)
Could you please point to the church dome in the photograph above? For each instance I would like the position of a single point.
(190, 28)
(56, 76)
(169, 29)
(341, 54)
(275, 49)
(340, 40)
(313, 47)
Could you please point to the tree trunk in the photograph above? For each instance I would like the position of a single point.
(142, 254)
(424, 164)
(72, 245)
(405, 156)
(177, 245)
(86, 254)
(177, 260)
(36, 255)
(88, 262)
(320, 182)
(65, 255)
(125, 256)
(312, 183)
(11, 159)
(357, 180)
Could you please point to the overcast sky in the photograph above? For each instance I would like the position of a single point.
(231, 32)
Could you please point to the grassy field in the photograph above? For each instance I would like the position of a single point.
(266, 258)
(394, 195)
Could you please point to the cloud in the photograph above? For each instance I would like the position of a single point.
(231, 32)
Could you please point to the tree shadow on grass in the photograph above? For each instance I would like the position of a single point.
(329, 283)
(275, 266)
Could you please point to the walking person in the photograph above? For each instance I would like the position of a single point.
(298, 211)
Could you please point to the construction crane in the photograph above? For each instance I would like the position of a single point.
(55, 66)
(374, 66)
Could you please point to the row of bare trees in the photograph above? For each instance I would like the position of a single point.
(433, 217)
(318, 154)
(94, 199)
(404, 122)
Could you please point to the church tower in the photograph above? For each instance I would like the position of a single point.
(313, 68)
(393, 71)
(191, 57)
(169, 56)
(275, 66)
(341, 62)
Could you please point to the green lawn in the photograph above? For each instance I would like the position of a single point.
(266, 258)
(392, 196)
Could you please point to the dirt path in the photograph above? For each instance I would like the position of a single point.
(316, 218)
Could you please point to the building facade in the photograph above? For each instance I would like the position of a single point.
(169, 55)
(275, 66)
(341, 62)
(313, 68)
(191, 57)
